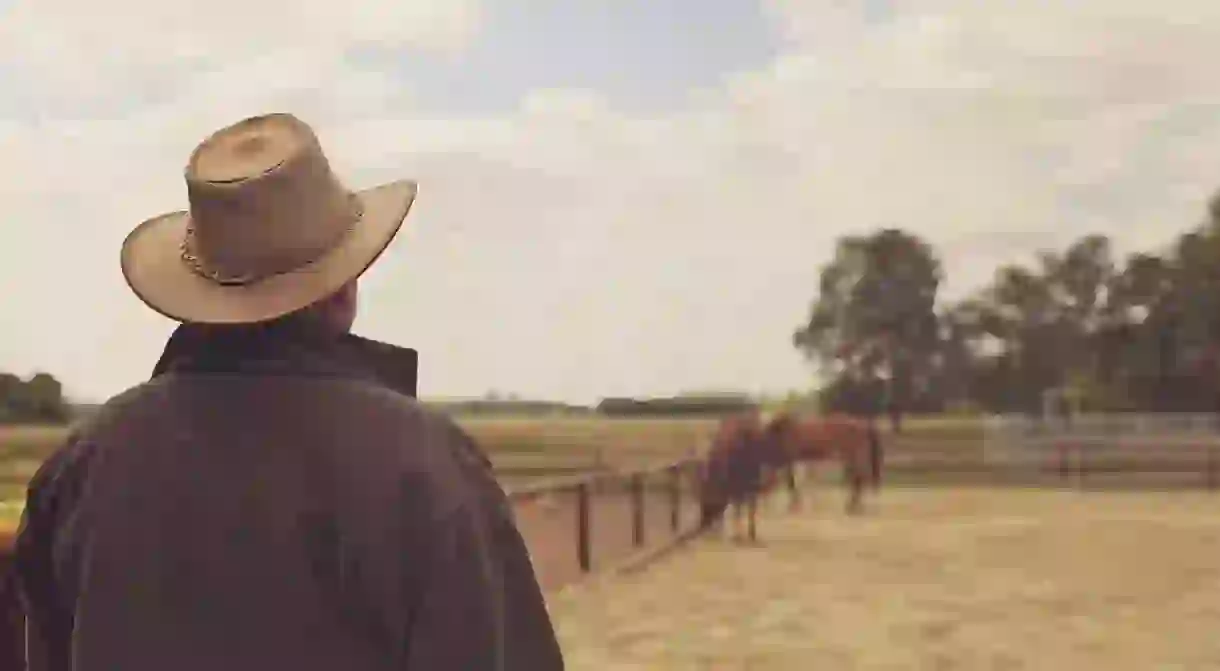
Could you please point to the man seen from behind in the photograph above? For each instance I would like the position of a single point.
(274, 497)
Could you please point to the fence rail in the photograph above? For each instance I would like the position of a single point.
(565, 539)
(1086, 460)
(575, 525)
(1088, 463)
(1015, 438)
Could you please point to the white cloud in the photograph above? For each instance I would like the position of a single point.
(568, 249)
(1019, 109)
(116, 53)
(138, 32)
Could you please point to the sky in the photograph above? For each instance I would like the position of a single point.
(617, 197)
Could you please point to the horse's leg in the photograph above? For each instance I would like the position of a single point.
(752, 505)
(794, 492)
(711, 517)
(855, 483)
(855, 499)
(877, 452)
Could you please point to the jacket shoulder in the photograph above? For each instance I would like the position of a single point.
(67, 466)
(370, 426)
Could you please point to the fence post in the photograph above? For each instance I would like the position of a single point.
(582, 527)
(675, 498)
(637, 509)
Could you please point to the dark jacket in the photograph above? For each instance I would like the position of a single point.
(269, 501)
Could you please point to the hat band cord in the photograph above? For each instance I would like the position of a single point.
(200, 267)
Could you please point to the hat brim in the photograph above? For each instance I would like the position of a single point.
(152, 264)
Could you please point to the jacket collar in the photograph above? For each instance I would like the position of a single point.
(281, 350)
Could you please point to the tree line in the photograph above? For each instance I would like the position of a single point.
(702, 404)
(684, 405)
(1140, 333)
(38, 400)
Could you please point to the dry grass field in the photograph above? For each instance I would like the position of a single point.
(523, 448)
(498, 435)
(561, 435)
(517, 443)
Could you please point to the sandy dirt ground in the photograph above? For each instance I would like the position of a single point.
(969, 579)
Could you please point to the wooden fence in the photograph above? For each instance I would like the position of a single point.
(1087, 464)
(654, 502)
(1172, 462)
(576, 525)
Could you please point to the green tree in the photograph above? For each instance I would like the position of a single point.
(966, 330)
(1079, 280)
(44, 398)
(38, 400)
(1131, 340)
(875, 312)
(12, 390)
(1137, 333)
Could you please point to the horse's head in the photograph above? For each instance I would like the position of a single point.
(711, 484)
(779, 426)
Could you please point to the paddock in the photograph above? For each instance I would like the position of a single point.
(931, 578)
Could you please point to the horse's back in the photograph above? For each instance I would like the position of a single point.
(823, 436)
(813, 437)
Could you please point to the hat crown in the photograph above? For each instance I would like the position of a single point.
(263, 201)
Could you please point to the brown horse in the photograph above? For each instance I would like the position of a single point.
(736, 471)
(808, 440)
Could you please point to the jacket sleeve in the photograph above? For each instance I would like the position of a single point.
(481, 608)
(50, 497)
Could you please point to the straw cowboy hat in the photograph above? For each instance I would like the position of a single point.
(270, 228)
